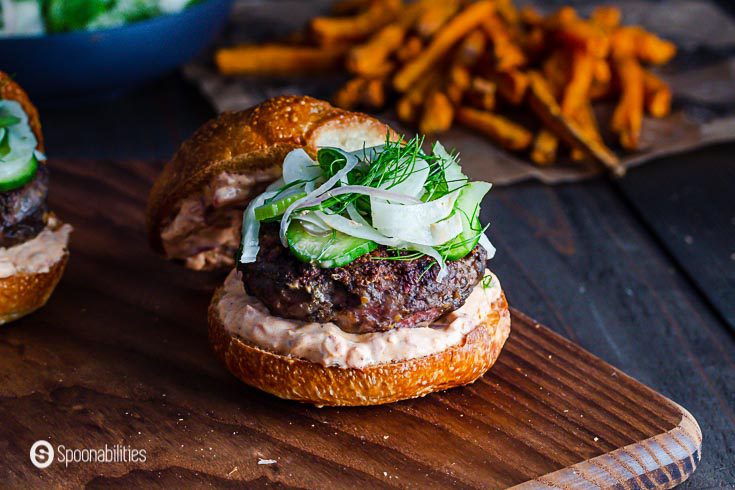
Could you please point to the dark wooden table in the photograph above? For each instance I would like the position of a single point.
(640, 271)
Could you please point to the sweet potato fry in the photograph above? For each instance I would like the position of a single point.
(601, 71)
(350, 94)
(652, 49)
(363, 59)
(544, 149)
(542, 103)
(458, 82)
(438, 113)
(577, 89)
(586, 36)
(557, 69)
(508, 12)
(507, 55)
(471, 48)
(576, 33)
(464, 22)
(585, 119)
(482, 93)
(601, 90)
(511, 84)
(408, 106)
(272, 59)
(332, 30)
(406, 110)
(531, 17)
(508, 134)
(628, 115)
(562, 17)
(410, 49)
(647, 47)
(434, 16)
(657, 95)
(373, 95)
(607, 17)
(534, 43)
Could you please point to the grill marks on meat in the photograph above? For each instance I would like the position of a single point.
(23, 211)
(367, 295)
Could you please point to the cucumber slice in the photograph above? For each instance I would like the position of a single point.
(468, 206)
(6, 121)
(17, 173)
(274, 209)
(4, 142)
(334, 249)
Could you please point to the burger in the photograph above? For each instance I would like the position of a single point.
(33, 242)
(357, 261)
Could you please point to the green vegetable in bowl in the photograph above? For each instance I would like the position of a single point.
(25, 17)
(72, 15)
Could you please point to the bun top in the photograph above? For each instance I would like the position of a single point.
(10, 90)
(255, 140)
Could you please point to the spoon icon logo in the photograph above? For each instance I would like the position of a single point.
(42, 454)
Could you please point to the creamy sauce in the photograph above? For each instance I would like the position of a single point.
(206, 230)
(328, 345)
(37, 255)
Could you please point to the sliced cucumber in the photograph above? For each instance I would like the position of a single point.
(6, 121)
(334, 249)
(4, 143)
(468, 205)
(17, 173)
(276, 208)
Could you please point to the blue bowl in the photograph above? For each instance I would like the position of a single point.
(74, 66)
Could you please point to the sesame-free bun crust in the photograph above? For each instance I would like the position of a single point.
(251, 141)
(22, 294)
(298, 379)
(9, 90)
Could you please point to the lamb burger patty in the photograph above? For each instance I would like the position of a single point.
(367, 295)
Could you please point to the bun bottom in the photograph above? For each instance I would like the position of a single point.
(305, 381)
(22, 294)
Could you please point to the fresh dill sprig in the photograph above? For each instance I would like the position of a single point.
(391, 164)
(286, 187)
(400, 255)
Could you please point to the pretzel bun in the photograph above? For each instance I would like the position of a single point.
(23, 293)
(305, 381)
(254, 141)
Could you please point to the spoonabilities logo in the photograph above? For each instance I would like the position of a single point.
(42, 454)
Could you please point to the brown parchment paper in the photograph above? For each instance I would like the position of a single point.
(702, 77)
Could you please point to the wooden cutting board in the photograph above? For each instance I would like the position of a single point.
(120, 356)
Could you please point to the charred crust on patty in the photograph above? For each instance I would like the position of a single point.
(367, 295)
(23, 211)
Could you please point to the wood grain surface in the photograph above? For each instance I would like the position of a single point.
(702, 237)
(119, 356)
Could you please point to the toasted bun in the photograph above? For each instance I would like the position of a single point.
(9, 90)
(298, 379)
(255, 140)
(22, 294)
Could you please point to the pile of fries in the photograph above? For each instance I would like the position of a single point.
(483, 64)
